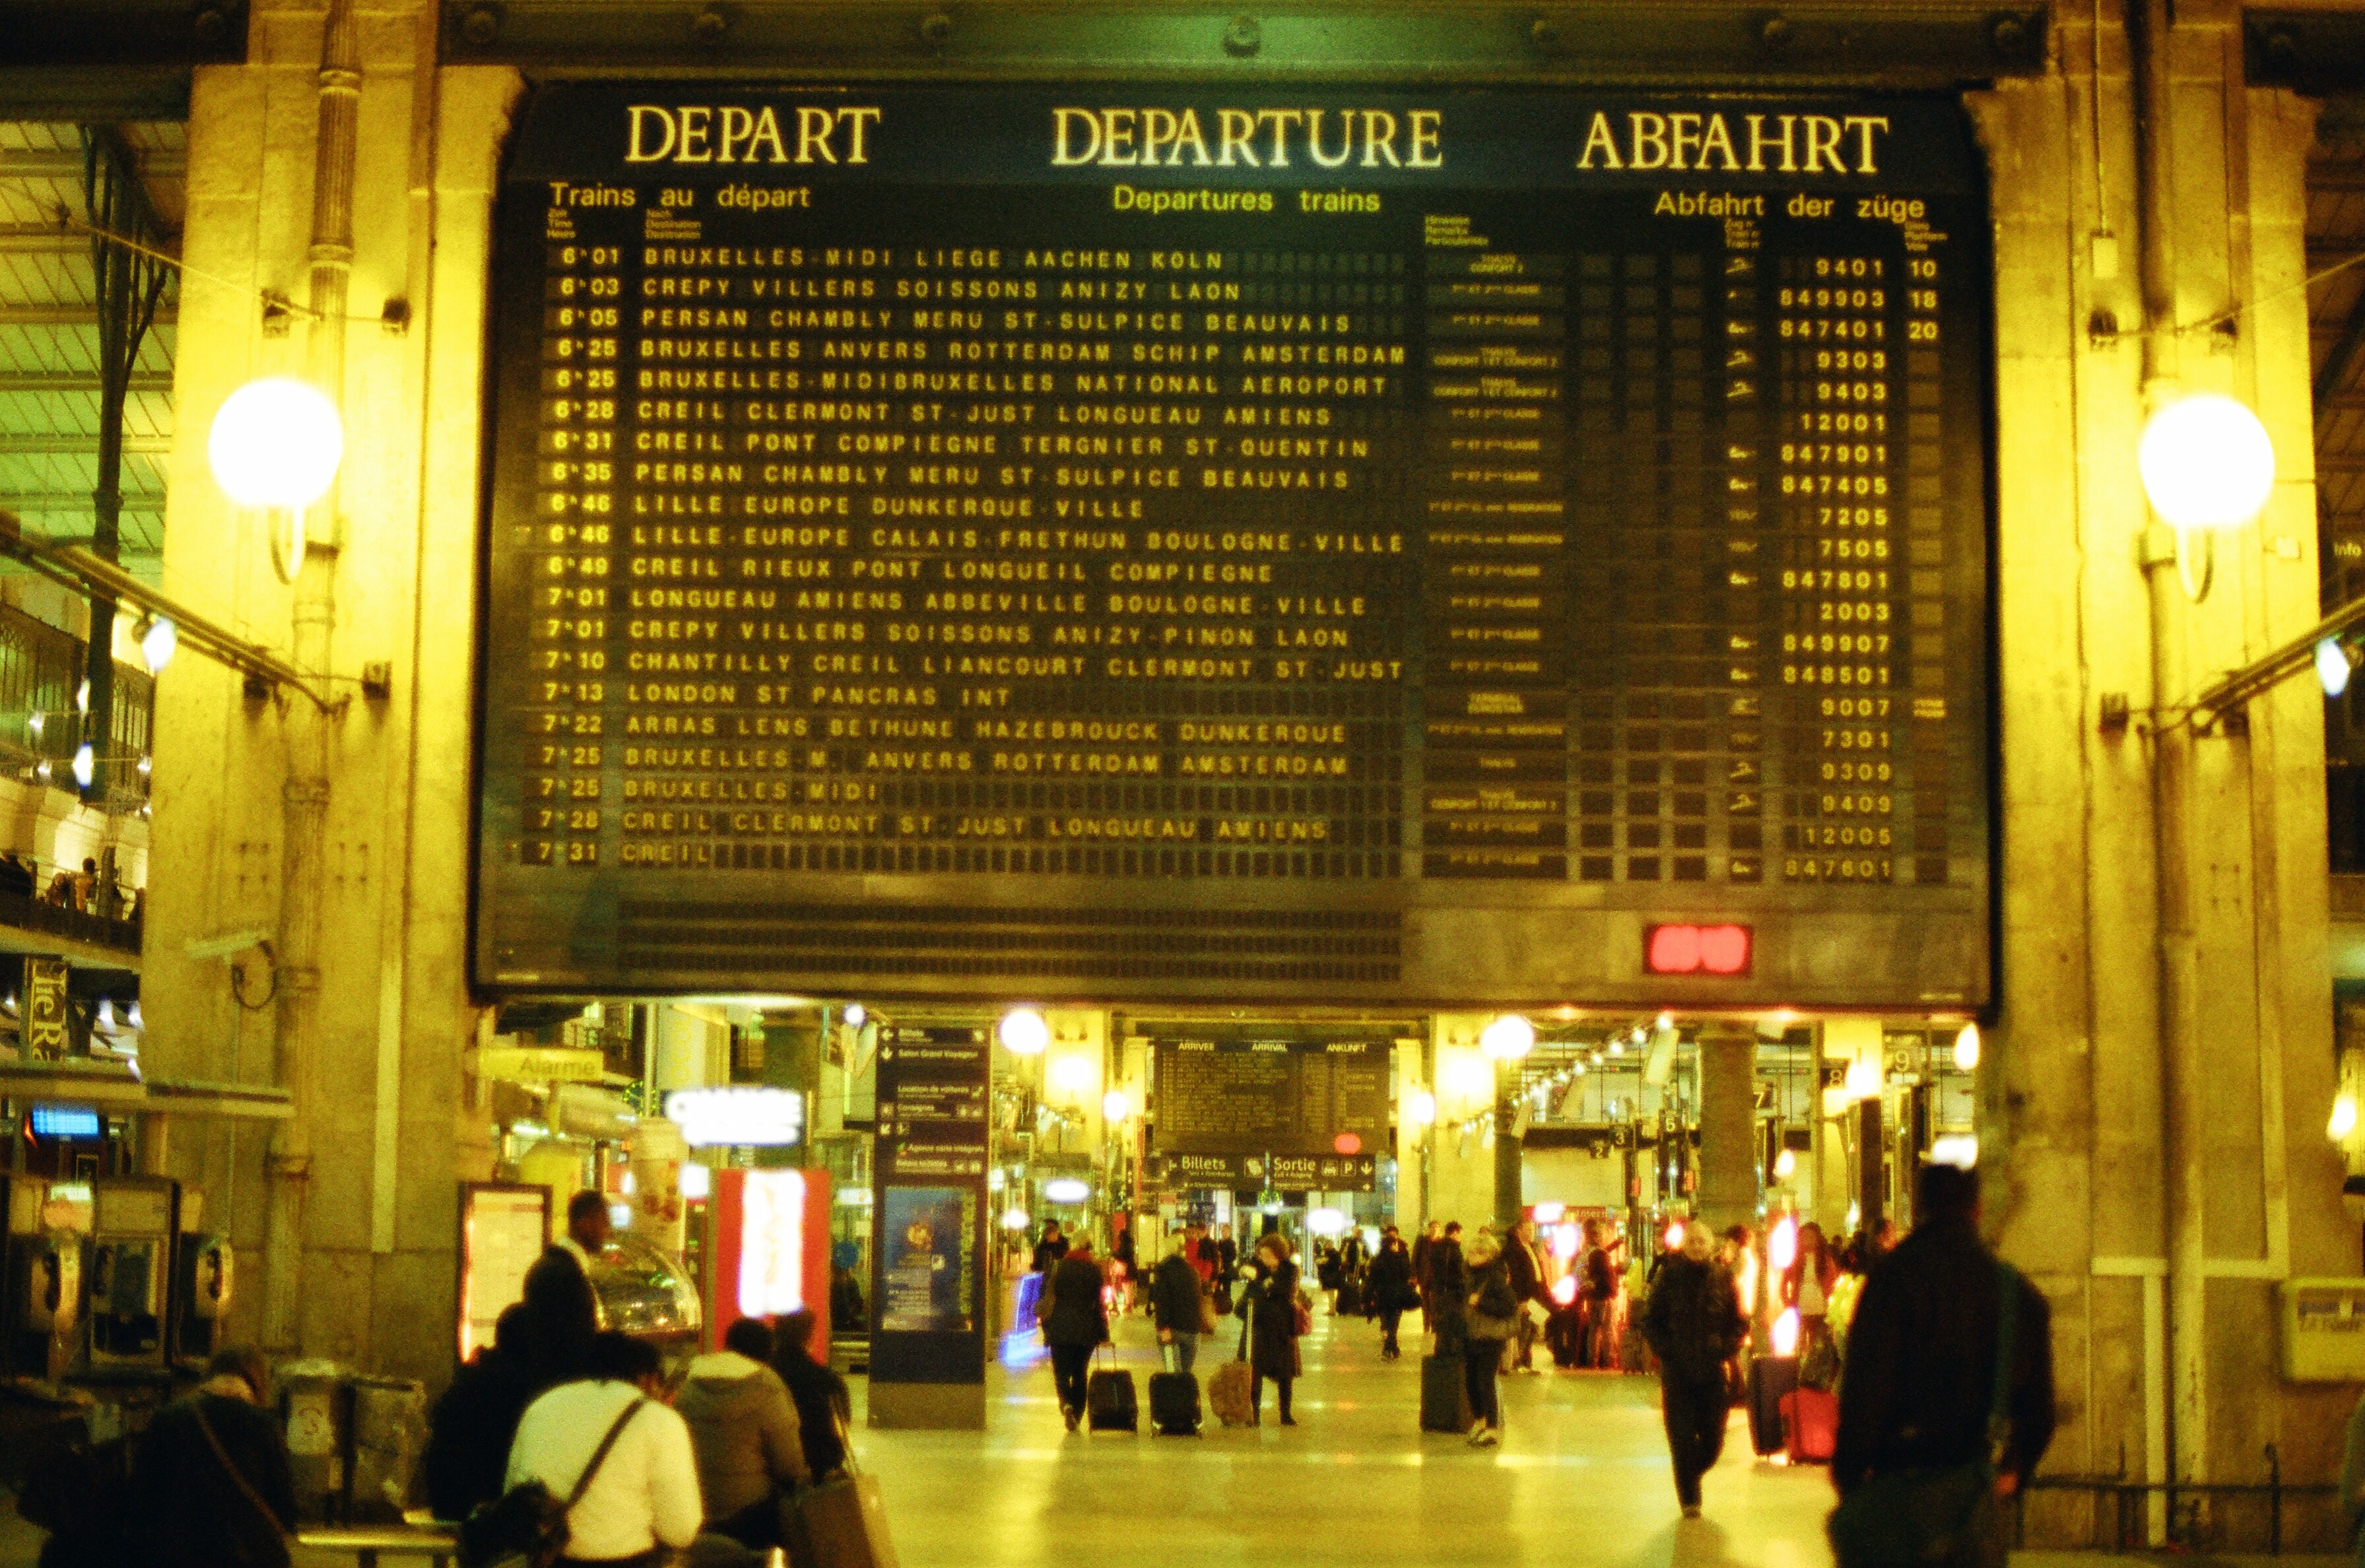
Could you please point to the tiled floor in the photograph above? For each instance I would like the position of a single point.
(1581, 1478)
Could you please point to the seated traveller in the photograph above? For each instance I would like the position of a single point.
(744, 1431)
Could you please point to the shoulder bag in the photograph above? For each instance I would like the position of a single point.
(1908, 1518)
(1206, 1311)
(526, 1527)
(279, 1532)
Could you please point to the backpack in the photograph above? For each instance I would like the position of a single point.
(526, 1527)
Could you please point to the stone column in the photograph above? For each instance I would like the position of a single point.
(1728, 1145)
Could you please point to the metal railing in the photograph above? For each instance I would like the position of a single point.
(2124, 1501)
(53, 920)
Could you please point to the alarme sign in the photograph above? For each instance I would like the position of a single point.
(1696, 951)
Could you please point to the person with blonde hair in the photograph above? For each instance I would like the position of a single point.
(1493, 1318)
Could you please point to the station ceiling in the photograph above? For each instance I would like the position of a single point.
(49, 336)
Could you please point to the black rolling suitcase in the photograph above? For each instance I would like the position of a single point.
(1444, 1397)
(1109, 1404)
(1770, 1377)
(1174, 1404)
(1350, 1297)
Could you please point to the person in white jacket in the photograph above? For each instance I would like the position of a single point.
(645, 1495)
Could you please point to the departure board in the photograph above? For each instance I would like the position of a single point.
(1237, 544)
(1274, 1097)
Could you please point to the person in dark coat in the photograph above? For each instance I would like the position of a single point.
(1491, 1312)
(1421, 1245)
(562, 1310)
(194, 1513)
(1391, 1290)
(824, 1412)
(470, 1432)
(1693, 1321)
(1526, 1263)
(1174, 1299)
(1075, 1321)
(1271, 1302)
(1124, 1254)
(1445, 1298)
(1051, 1249)
(1922, 1359)
(1227, 1253)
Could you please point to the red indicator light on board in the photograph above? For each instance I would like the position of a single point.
(1347, 1143)
(1696, 951)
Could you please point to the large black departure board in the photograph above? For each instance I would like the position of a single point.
(1243, 1096)
(1237, 544)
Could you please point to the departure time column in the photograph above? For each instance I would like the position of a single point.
(566, 551)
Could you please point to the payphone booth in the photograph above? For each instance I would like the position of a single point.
(767, 1248)
(49, 1239)
(135, 1226)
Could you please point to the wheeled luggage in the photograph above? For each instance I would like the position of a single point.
(1229, 1391)
(1109, 1403)
(1174, 1405)
(1350, 1297)
(1444, 1396)
(1810, 1419)
(1770, 1378)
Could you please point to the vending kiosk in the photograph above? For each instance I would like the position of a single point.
(767, 1248)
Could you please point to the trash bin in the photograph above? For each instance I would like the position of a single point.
(389, 1435)
(316, 1406)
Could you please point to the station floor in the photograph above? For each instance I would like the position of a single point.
(1581, 1478)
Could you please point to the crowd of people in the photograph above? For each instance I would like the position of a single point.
(1945, 1354)
(1918, 1320)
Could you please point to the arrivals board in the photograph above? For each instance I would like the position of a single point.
(1237, 544)
(1274, 1097)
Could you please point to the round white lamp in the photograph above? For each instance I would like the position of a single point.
(1023, 1032)
(1966, 1049)
(1420, 1107)
(1114, 1106)
(275, 445)
(157, 644)
(1508, 1039)
(2206, 463)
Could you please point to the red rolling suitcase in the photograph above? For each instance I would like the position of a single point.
(1810, 1419)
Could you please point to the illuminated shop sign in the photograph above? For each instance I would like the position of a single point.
(736, 1115)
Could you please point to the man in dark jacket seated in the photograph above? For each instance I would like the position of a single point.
(1922, 1359)
(824, 1409)
(212, 1477)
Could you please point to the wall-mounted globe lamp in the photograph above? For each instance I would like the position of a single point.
(274, 446)
(1420, 1107)
(2207, 466)
(1508, 1039)
(1966, 1049)
(1023, 1032)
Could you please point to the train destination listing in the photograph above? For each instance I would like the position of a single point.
(1432, 504)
